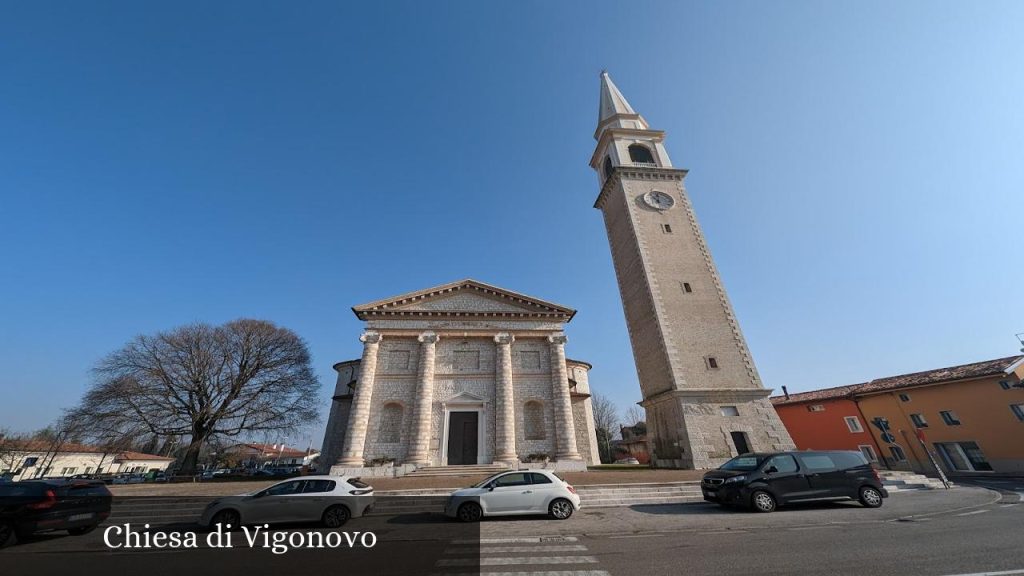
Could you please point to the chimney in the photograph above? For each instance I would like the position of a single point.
(786, 392)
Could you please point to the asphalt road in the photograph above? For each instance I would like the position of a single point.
(935, 533)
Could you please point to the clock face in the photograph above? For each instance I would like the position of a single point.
(659, 200)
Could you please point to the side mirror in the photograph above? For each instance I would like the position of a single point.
(771, 470)
(490, 487)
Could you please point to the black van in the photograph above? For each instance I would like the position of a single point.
(765, 481)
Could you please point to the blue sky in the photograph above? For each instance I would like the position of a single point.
(855, 166)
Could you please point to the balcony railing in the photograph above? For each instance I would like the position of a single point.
(645, 164)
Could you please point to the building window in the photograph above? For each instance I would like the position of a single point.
(608, 168)
(712, 362)
(666, 228)
(897, 454)
(67, 471)
(918, 420)
(1018, 411)
(816, 408)
(950, 418)
(868, 452)
(687, 288)
(1005, 384)
(640, 154)
(904, 397)
(730, 411)
(391, 423)
(533, 421)
(853, 424)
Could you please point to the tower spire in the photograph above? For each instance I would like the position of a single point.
(614, 110)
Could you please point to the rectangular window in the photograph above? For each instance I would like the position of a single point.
(67, 471)
(897, 454)
(1018, 411)
(730, 411)
(712, 362)
(687, 288)
(868, 452)
(950, 418)
(666, 228)
(853, 424)
(919, 420)
(1005, 384)
(904, 397)
(816, 408)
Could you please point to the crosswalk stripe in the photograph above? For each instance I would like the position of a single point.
(517, 540)
(517, 560)
(503, 549)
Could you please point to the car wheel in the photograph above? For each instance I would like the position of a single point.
(336, 516)
(470, 512)
(225, 518)
(560, 509)
(870, 497)
(6, 534)
(81, 530)
(762, 501)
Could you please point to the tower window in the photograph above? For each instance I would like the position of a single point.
(712, 362)
(666, 228)
(640, 154)
(687, 288)
(608, 167)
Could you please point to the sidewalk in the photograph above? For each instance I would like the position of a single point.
(590, 478)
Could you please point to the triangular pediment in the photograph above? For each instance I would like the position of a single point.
(463, 298)
(465, 398)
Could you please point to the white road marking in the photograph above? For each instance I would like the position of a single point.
(1010, 505)
(975, 512)
(637, 536)
(517, 540)
(517, 560)
(508, 549)
(1004, 573)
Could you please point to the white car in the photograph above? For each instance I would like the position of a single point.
(330, 500)
(514, 493)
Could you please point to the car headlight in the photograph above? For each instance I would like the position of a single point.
(734, 479)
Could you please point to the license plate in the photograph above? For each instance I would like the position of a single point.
(77, 517)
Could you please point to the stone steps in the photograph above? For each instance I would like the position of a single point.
(458, 470)
(901, 481)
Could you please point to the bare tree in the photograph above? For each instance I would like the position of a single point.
(606, 424)
(198, 381)
(12, 450)
(634, 416)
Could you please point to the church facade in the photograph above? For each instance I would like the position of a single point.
(704, 400)
(461, 374)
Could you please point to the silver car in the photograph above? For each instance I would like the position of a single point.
(330, 500)
(514, 493)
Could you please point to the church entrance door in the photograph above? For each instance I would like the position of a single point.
(462, 437)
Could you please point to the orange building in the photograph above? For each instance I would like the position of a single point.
(967, 418)
(827, 420)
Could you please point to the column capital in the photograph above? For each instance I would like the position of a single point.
(559, 338)
(428, 338)
(370, 337)
(504, 338)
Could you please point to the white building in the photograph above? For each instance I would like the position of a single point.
(37, 459)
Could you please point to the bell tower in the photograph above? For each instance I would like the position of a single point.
(704, 399)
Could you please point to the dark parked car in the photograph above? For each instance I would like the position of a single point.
(77, 506)
(766, 481)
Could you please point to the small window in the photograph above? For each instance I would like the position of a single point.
(640, 154)
(897, 454)
(816, 408)
(784, 463)
(950, 418)
(687, 288)
(853, 423)
(516, 479)
(712, 362)
(666, 228)
(818, 462)
(537, 478)
(1005, 384)
(315, 486)
(904, 397)
(919, 420)
(608, 168)
(1018, 411)
(730, 411)
(869, 452)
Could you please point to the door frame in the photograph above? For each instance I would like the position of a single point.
(463, 403)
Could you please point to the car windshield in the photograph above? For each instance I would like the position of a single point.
(485, 481)
(744, 463)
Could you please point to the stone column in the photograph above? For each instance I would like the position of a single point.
(504, 409)
(565, 431)
(359, 417)
(419, 444)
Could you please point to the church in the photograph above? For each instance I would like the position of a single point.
(463, 374)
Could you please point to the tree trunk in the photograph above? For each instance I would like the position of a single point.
(190, 460)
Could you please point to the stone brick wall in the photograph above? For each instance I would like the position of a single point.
(337, 422)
